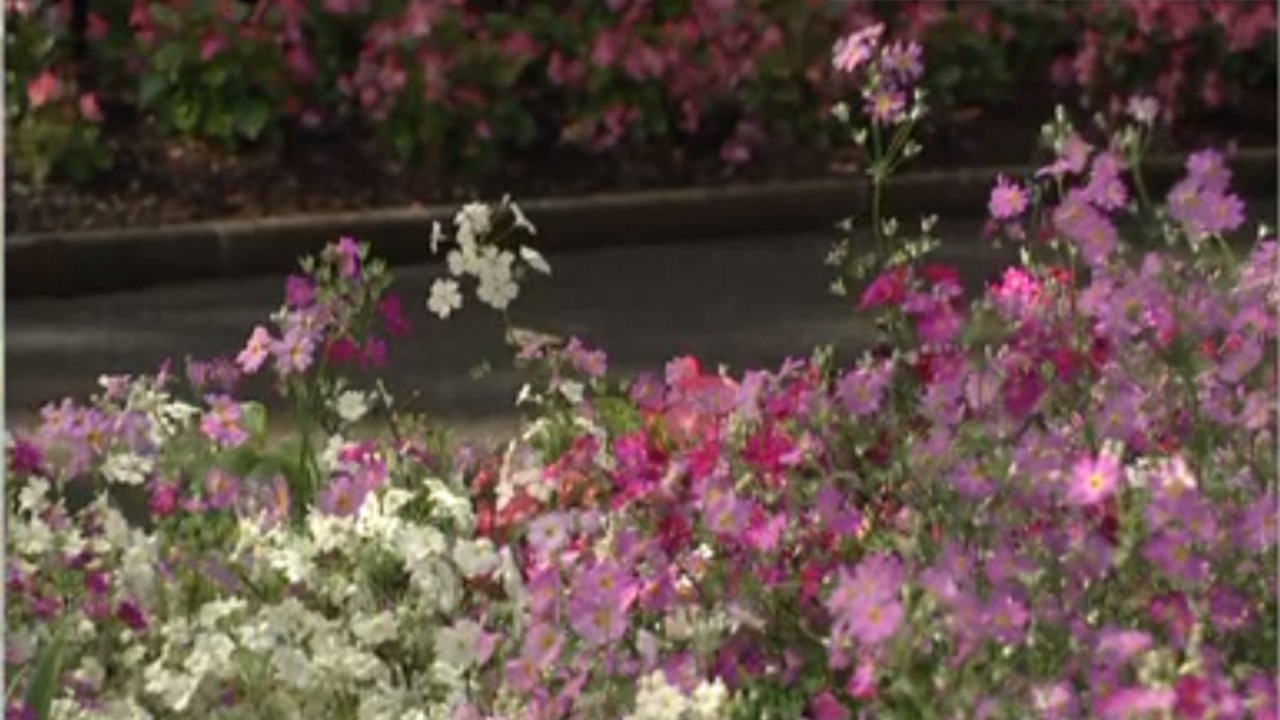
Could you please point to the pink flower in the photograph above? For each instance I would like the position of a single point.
(212, 45)
(827, 707)
(43, 89)
(886, 106)
(222, 423)
(89, 109)
(1008, 200)
(256, 351)
(1094, 479)
(854, 51)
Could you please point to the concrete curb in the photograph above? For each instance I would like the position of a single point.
(88, 262)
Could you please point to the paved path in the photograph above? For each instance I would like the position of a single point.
(745, 303)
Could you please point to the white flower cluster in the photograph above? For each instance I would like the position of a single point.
(478, 255)
(656, 699)
(311, 622)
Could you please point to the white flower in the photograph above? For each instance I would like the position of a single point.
(458, 646)
(33, 537)
(521, 220)
(214, 611)
(534, 259)
(332, 450)
(126, 468)
(211, 655)
(474, 219)
(352, 405)
(497, 294)
(572, 391)
(475, 557)
(657, 700)
(708, 700)
(455, 506)
(437, 236)
(174, 689)
(33, 496)
(374, 630)
(445, 298)
(293, 667)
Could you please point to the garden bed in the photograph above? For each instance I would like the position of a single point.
(156, 181)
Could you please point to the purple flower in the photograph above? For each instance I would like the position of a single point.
(865, 604)
(1115, 646)
(1208, 170)
(598, 620)
(294, 353)
(542, 645)
(886, 106)
(1133, 703)
(549, 532)
(130, 614)
(1008, 199)
(347, 251)
(1094, 235)
(222, 423)
(903, 62)
(344, 497)
(592, 363)
(223, 489)
(1171, 552)
(299, 292)
(862, 390)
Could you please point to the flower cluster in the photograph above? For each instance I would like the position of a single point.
(1056, 500)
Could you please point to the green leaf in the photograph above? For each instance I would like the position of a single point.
(47, 678)
(254, 416)
(252, 118)
(151, 87)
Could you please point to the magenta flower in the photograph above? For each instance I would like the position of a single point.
(299, 292)
(256, 351)
(1094, 479)
(826, 707)
(348, 252)
(865, 604)
(853, 51)
(1008, 199)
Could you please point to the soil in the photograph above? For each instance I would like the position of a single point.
(156, 181)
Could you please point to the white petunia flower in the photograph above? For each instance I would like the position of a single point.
(475, 219)
(475, 558)
(126, 468)
(293, 667)
(535, 260)
(374, 630)
(709, 700)
(33, 497)
(497, 294)
(351, 406)
(445, 298)
(457, 646)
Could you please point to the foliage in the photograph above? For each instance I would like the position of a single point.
(462, 85)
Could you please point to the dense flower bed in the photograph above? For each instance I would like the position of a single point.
(465, 83)
(1057, 500)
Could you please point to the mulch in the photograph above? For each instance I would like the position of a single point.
(156, 181)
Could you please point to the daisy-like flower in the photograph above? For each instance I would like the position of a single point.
(854, 51)
(1094, 479)
(1008, 199)
(445, 298)
(256, 351)
(886, 106)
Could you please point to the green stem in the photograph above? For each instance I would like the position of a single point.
(877, 186)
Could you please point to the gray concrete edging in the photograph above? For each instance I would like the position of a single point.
(97, 261)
